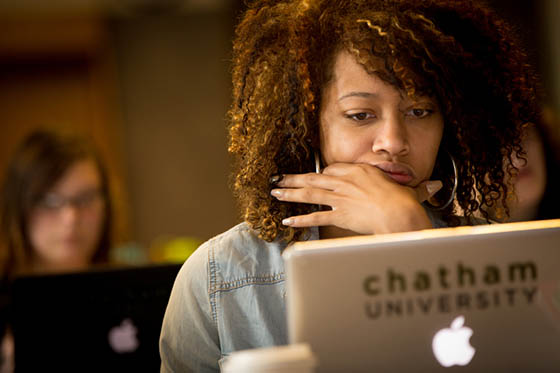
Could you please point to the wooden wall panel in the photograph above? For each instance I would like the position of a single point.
(60, 74)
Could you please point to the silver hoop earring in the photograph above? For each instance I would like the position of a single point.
(453, 191)
(317, 162)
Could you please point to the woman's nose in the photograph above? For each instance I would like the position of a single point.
(69, 213)
(391, 137)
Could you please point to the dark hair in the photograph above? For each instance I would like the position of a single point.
(37, 164)
(457, 51)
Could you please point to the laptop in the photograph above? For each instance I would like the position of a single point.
(467, 299)
(102, 320)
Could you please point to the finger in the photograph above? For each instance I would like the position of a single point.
(305, 195)
(314, 219)
(427, 189)
(310, 180)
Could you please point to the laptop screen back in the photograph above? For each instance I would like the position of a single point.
(491, 295)
(101, 320)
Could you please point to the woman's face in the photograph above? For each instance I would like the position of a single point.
(530, 183)
(365, 120)
(65, 227)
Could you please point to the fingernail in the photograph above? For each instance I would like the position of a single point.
(276, 192)
(433, 186)
(288, 221)
(274, 179)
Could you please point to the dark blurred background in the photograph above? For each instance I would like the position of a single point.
(148, 81)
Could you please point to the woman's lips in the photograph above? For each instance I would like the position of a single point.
(400, 178)
(524, 173)
(399, 172)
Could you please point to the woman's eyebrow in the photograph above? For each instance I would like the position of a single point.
(359, 94)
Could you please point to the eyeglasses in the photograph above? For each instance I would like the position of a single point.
(81, 201)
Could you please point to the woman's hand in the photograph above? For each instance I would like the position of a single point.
(362, 198)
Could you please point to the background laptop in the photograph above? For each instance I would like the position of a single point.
(376, 303)
(103, 320)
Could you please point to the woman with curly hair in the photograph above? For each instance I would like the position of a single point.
(348, 117)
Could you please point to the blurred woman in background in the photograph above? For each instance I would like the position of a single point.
(55, 206)
(534, 195)
(55, 211)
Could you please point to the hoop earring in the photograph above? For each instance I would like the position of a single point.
(317, 162)
(453, 191)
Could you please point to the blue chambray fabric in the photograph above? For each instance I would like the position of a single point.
(228, 296)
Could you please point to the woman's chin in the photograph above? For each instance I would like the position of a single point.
(69, 258)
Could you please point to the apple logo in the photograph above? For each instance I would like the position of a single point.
(451, 346)
(122, 338)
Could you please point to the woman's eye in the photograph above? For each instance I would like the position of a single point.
(358, 117)
(420, 113)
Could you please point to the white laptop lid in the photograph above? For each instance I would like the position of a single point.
(375, 303)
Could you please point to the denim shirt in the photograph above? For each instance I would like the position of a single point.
(228, 296)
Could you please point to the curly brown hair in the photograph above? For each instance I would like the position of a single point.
(457, 51)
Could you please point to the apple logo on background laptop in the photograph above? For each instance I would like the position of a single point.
(122, 338)
(451, 346)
